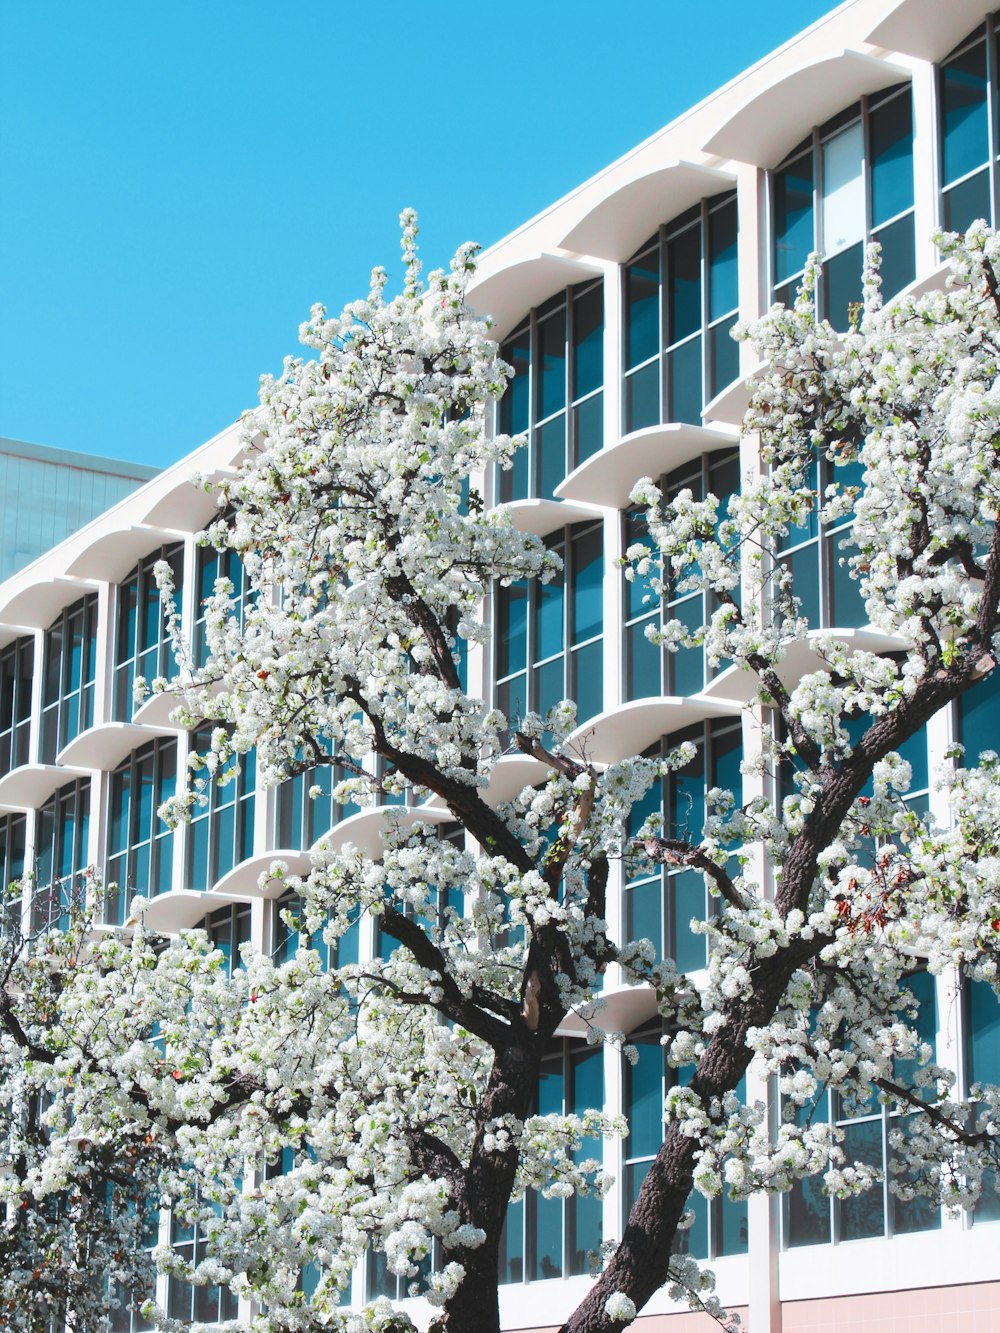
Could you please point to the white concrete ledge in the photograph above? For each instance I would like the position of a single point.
(608, 476)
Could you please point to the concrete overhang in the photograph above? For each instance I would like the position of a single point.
(246, 879)
(112, 555)
(37, 605)
(544, 516)
(631, 728)
(617, 225)
(764, 129)
(927, 29)
(607, 477)
(510, 292)
(364, 830)
(30, 785)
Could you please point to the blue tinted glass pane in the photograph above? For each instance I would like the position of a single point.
(684, 386)
(225, 845)
(891, 129)
(899, 261)
(727, 752)
(914, 751)
(694, 1239)
(644, 1100)
(733, 1228)
(642, 397)
(512, 699)
(548, 619)
(964, 203)
(551, 391)
(550, 455)
(686, 666)
(686, 810)
(650, 804)
(804, 566)
(807, 1217)
(639, 588)
(588, 585)
(847, 608)
(917, 1214)
(644, 914)
(964, 125)
(198, 854)
(724, 357)
(643, 664)
(549, 686)
(642, 309)
(512, 629)
(588, 341)
(979, 718)
(512, 482)
(793, 217)
(588, 428)
(723, 277)
(587, 1231)
(550, 1089)
(548, 1237)
(863, 1216)
(588, 680)
(840, 286)
(512, 1244)
(514, 404)
(983, 1033)
(687, 895)
(684, 285)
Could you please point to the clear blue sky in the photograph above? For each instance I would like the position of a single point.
(181, 180)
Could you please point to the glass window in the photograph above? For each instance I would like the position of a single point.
(548, 1238)
(851, 182)
(978, 718)
(300, 818)
(817, 558)
(288, 935)
(17, 663)
(652, 671)
(220, 834)
(140, 847)
(61, 856)
(966, 131)
(227, 929)
(680, 301)
(549, 646)
(12, 846)
(214, 566)
(981, 1022)
(70, 658)
(142, 647)
(556, 396)
(720, 1225)
(660, 901)
(204, 1304)
(441, 907)
(810, 1218)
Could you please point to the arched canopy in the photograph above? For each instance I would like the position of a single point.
(927, 29)
(616, 226)
(765, 128)
(510, 292)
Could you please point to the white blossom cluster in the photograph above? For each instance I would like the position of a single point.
(301, 1117)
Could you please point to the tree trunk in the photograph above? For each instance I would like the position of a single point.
(486, 1188)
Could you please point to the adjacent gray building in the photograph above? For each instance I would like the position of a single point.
(46, 494)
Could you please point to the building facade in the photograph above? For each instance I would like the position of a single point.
(614, 307)
(45, 494)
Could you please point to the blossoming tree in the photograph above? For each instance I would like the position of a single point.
(302, 1115)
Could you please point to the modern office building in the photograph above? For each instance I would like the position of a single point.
(45, 494)
(614, 307)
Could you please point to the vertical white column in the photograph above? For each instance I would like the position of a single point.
(925, 166)
(763, 1215)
